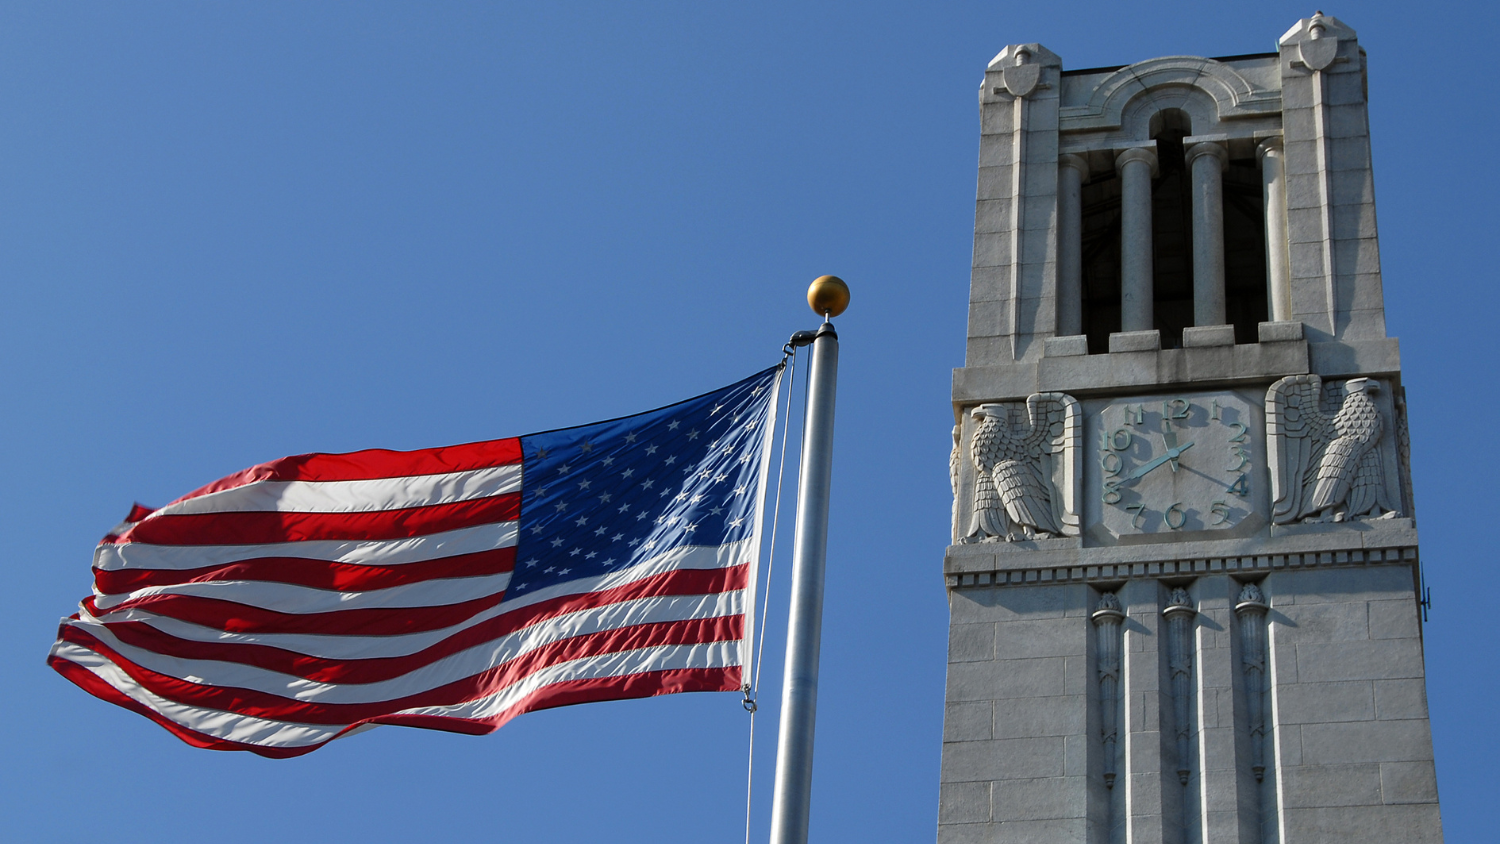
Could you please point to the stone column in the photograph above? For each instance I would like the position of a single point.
(1107, 620)
(1137, 166)
(1278, 272)
(1251, 610)
(1206, 161)
(1072, 170)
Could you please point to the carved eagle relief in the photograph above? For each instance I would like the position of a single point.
(1015, 496)
(1325, 467)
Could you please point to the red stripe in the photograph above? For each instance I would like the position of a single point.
(261, 527)
(373, 463)
(319, 574)
(647, 684)
(239, 618)
(492, 681)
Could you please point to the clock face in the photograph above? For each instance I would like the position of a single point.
(1175, 464)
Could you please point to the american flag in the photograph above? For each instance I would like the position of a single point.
(452, 588)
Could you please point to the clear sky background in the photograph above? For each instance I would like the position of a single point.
(231, 232)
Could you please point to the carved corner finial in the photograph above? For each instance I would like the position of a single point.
(1251, 599)
(1179, 602)
(1108, 608)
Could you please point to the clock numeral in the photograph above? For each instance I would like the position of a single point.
(1139, 518)
(1111, 463)
(1174, 522)
(1111, 492)
(1241, 486)
(1135, 414)
(1239, 434)
(1120, 439)
(1174, 409)
(1238, 453)
(1220, 509)
(1213, 412)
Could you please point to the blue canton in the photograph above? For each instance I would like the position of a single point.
(604, 497)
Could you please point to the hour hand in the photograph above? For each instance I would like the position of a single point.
(1171, 454)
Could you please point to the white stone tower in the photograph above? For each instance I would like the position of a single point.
(1184, 581)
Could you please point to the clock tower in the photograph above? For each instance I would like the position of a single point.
(1184, 581)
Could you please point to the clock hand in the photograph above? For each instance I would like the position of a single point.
(1171, 454)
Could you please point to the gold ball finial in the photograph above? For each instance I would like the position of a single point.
(828, 295)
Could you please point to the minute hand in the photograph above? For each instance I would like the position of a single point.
(1171, 454)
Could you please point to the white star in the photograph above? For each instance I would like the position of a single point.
(591, 555)
(681, 496)
(736, 522)
(717, 408)
(690, 527)
(581, 521)
(641, 515)
(586, 446)
(608, 561)
(716, 511)
(756, 391)
(541, 491)
(541, 454)
(630, 437)
(561, 506)
(549, 569)
(624, 508)
(599, 531)
(557, 543)
(634, 542)
(575, 552)
(673, 425)
(650, 543)
(647, 484)
(608, 461)
(739, 490)
(520, 586)
(604, 498)
(693, 434)
(664, 493)
(564, 469)
(531, 563)
(720, 477)
(745, 458)
(753, 423)
(695, 499)
(617, 537)
(670, 460)
(706, 474)
(585, 484)
(627, 473)
(563, 571)
(536, 529)
(651, 449)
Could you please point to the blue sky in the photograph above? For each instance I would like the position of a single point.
(230, 232)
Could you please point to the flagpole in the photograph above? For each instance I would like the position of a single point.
(791, 806)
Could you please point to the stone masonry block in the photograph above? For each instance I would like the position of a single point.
(992, 215)
(996, 182)
(998, 118)
(1279, 332)
(1076, 755)
(1362, 324)
(1347, 121)
(1309, 786)
(968, 721)
(1054, 831)
(1318, 703)
(1349, 153)
(1304, 225)
(1070, 346)
(989, 284)
(1400, 699)
(1353, 187)
(989, 319)
(988, 351)
(1408, 782)
(1394, 620)
(1298, 124)
(1356, 257)
(1208, 335)
(1358, 292)
(963, 802)
(999, 604)
(1352, 222)
(992, 249)
(1330, 622)
(1384, 659)
(1307, 263)
(996, 151)
(1040, 799)
(1302, 193)
(971, 642)
(1065, 715)
(1041, 638)
(1020, 678)
(1333, 585)
(967, 833)
(1002, 759)
(1134, 341)
(1371, 741)
(1415, 824)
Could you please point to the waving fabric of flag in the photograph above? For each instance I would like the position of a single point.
(452, 588)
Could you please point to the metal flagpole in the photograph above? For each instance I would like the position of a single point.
(791, 806)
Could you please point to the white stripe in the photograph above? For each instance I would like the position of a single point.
(267, 733)
(387, 552)
(352, 496)
(303, 600)
(370, 647)
(465, 663)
